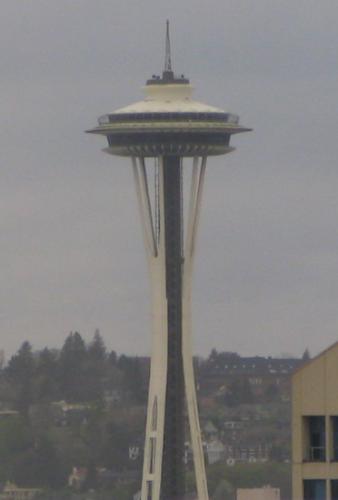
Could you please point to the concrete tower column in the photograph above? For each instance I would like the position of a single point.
(172, 376)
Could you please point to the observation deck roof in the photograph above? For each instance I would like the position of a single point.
(168, 121)
(171, 104)
(171, 99)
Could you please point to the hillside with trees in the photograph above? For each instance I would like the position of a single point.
(72, 420)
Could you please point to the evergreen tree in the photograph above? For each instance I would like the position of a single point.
(46, 376)
(72, 368)
(20, 371)
(40, 466)
(133, 382)
(16, 438)
(97, 357)
(213, 356)
(115, 451)
(112, 358)
(224, 491)
(306, 355)
(97, 350)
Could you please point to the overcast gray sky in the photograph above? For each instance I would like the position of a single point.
(71, 253)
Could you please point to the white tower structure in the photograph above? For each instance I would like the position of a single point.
(169, 125)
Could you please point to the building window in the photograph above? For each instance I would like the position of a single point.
(334, 489)
(334, 438)
(314, 489)
(314, 439)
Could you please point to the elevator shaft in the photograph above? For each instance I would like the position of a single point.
(173, 481)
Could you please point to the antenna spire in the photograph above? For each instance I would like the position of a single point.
(167, 62)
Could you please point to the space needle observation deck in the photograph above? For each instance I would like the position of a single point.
(168, 126)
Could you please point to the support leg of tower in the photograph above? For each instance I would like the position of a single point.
(172, 376)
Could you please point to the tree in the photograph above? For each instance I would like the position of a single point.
(116, 448)
(97, 350)
(133, 380)
(239, 392)
(72, 368)
(97, 357)
(224, 491)
(46, 386)
(306, 355)
(20, 372)
(213, 356)
(112, 358)
(40, 466)
(91, 482)
(15, 438)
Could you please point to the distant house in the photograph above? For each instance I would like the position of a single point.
(6, 414)
(210, 430)
(215, 451)
(77, 477)
(266, 376)
(70, 413)
(257, 366)
(13, 492)
(249, 453)
(112, 397)
(233, 425)
(265, 493)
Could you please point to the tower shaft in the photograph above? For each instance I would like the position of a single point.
(172, 484)
(171, 387)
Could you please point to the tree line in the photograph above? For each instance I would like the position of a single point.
(78, 372)
(35, 449)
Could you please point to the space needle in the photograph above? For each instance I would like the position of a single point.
(157, 134)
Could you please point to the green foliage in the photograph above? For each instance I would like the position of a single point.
(239, 392)
(96, 349)
(20, 372)
(224, 491)
(40, 466)
(115, 452)
(91, 482)
(132, 378)
(124, 491)
(72, 368)
(15, 439)
(39, 449)
(46, 388)
(78, 373)
(27, 459)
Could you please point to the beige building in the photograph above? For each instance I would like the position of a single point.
(265, 493)
(13, 492)
(315, 428)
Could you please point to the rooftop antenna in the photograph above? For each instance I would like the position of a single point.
(167, 62)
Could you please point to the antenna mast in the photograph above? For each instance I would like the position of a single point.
(167, 62)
